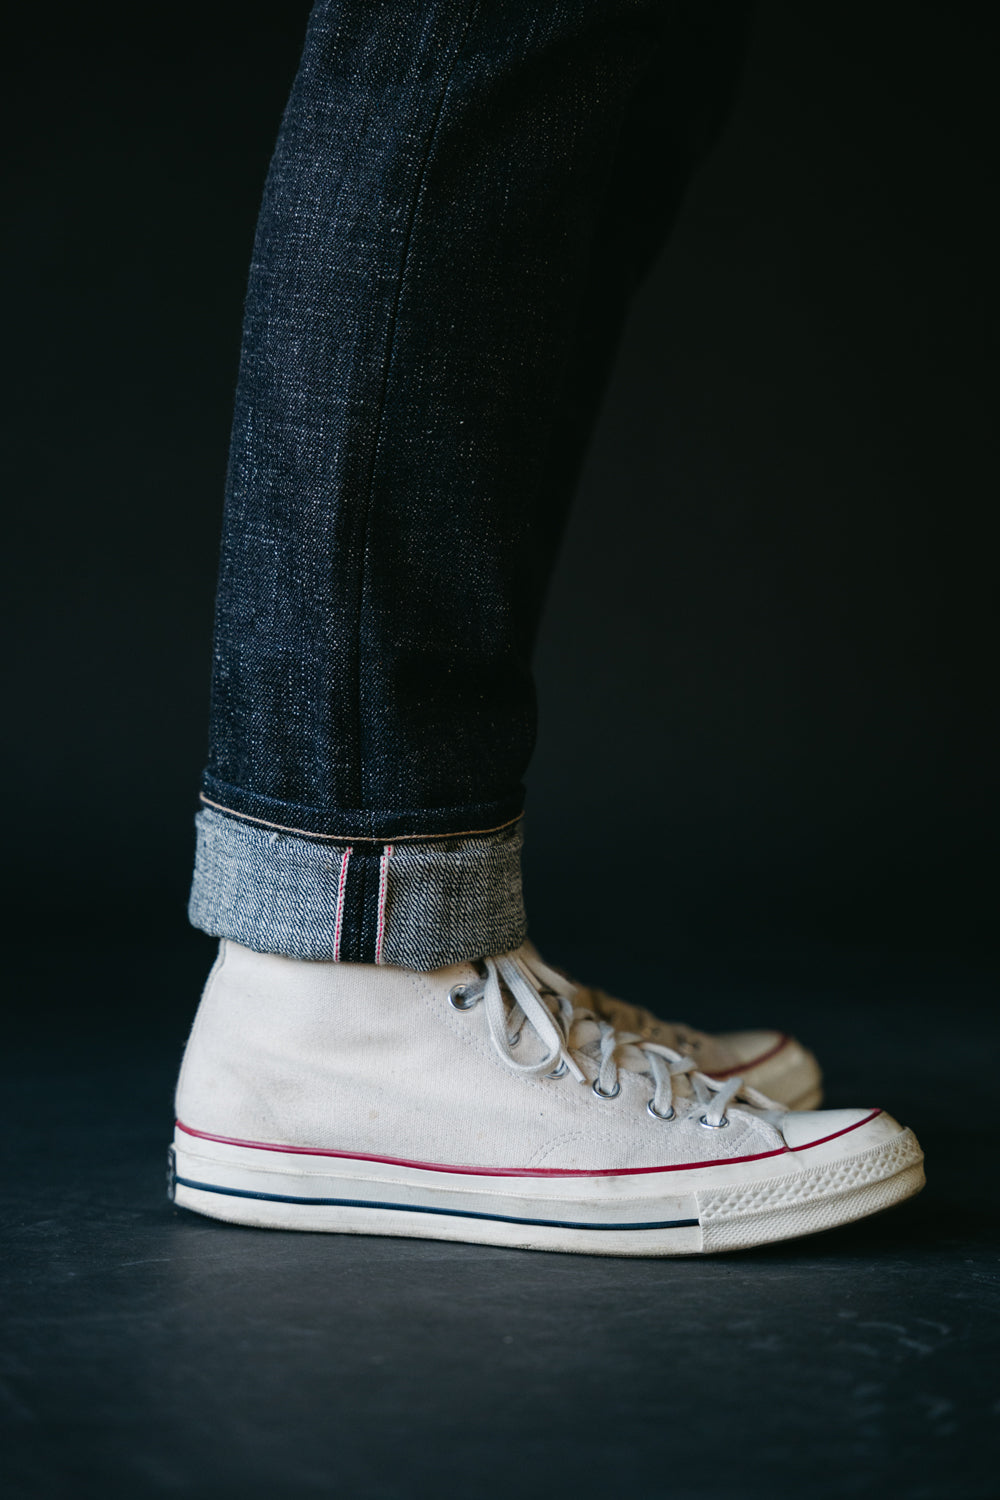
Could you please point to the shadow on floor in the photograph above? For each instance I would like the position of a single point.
(151, 1352)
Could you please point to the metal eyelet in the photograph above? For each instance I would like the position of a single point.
(600, 1092)
(656, 1113)
(459, 997)
(714, 1124)
(512, 1041)
(558, 1072)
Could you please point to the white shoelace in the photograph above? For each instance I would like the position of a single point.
(546, 1000)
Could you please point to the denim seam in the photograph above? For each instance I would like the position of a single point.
(365, 923)
(416, 905)
(338, 922)
(418, 193)
(361, 838)
(383, 886)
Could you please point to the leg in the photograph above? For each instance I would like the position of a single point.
(462, 200)
(454, 221)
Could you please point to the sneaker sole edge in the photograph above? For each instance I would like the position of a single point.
(600, 1221)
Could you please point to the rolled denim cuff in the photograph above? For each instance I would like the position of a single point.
(416, 904)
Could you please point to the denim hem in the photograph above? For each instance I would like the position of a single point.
(414, 905)
(471, 819)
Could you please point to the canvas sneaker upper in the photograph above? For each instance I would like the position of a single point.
(498, 1066)
(492, 1103)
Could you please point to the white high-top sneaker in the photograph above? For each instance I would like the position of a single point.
(770, 1061)
(482, 1103)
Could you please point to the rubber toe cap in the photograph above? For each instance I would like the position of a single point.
(856, 1129)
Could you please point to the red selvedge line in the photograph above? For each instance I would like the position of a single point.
(341, 893)
(846, 1131)
(383, 882)
(428, 1166)
(755, 1062)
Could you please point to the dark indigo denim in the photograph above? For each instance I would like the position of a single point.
(461, 202)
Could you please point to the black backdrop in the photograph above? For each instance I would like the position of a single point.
(767, 674)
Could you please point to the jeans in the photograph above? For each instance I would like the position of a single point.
(462, 201)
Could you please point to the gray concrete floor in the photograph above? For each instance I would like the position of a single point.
(149, 1352)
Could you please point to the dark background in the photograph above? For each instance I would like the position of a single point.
(764, 792)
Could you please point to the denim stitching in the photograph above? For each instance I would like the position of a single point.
(383, 884)
(359, 838)
(341, 893)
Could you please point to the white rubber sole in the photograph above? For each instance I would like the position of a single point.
(676, 1211)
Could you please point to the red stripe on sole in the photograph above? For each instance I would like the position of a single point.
(427, 1166)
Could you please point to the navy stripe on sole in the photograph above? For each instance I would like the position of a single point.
(414, 1208)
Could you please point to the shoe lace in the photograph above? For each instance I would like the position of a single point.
(549, 1003)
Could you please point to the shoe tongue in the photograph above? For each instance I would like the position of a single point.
(585, 1039)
